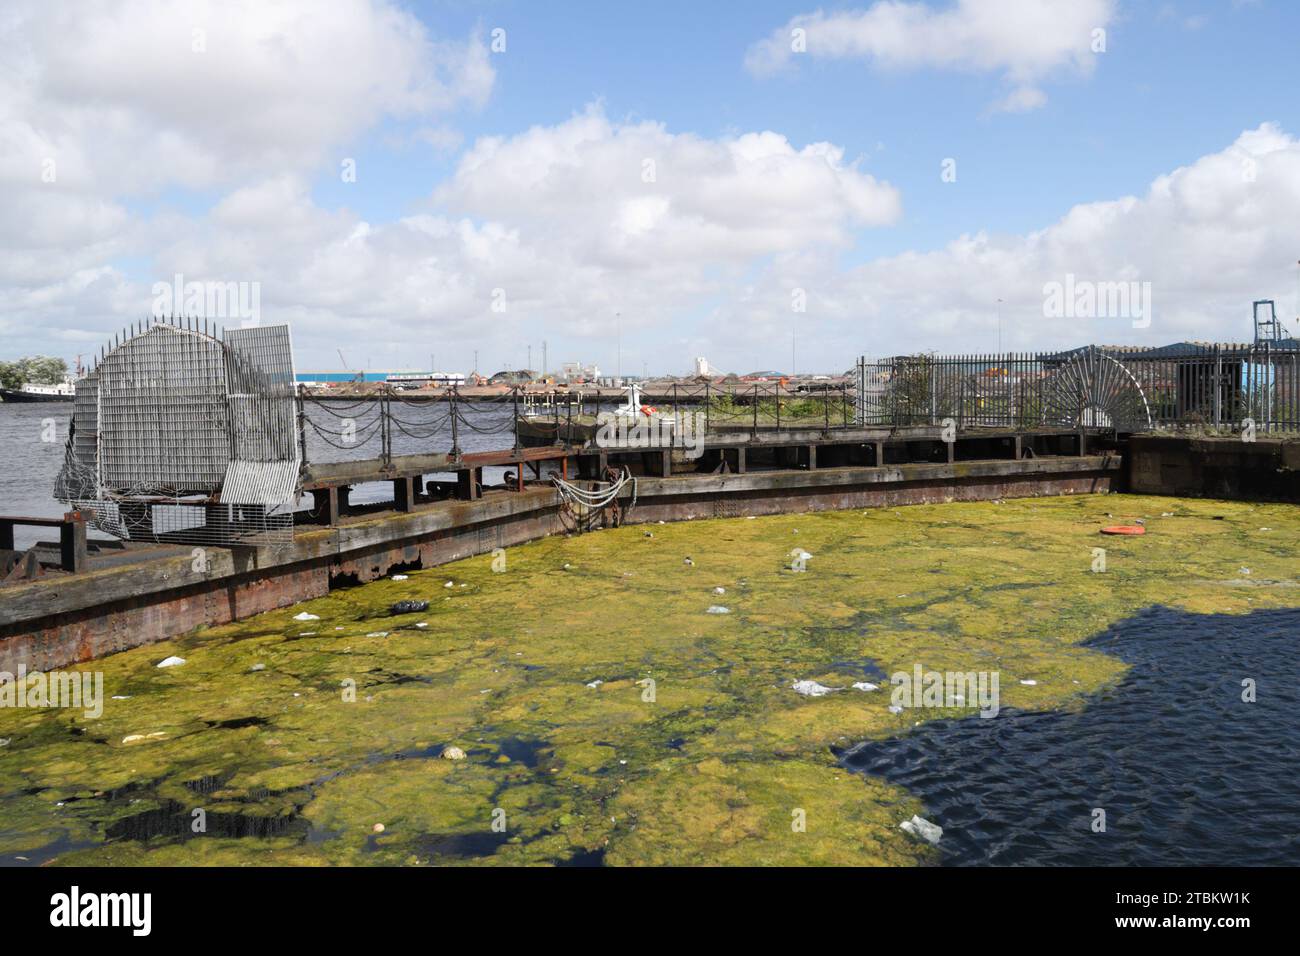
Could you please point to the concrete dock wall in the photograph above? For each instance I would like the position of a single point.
(63, 619)
(1223, 467)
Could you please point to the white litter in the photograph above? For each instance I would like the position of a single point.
(594, 684)
(377, 634)
(719, 590)
(449, 584)
(171, 662)
(304, 616)
(399, 577)
(452, 753)
(1030, 683)
(422, 624)
(718, 609)
(895, 709)
(863, 685)
(810, 688)
(258, 667)
(923, 829)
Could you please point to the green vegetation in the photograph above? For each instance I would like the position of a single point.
(37, 369)
(725, 409)
(539, 675)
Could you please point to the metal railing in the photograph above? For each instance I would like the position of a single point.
(1202, 387)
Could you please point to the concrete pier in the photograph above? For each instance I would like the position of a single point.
(65, 618)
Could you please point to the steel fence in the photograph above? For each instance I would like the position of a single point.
(1186, 387)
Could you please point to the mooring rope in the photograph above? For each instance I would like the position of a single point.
(595, 500)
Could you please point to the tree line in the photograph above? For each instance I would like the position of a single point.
(36, 369)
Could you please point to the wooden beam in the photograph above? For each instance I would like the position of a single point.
(72, 543)
(404, 494)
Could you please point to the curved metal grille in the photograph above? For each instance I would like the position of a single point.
(1094, 390)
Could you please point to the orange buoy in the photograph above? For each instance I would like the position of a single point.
(648, 410)
(1124, 529)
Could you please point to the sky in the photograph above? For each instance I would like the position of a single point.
(768, 185)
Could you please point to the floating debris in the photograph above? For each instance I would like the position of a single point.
(304, 616)
(718, 609)
(136, 738)
(1029, 682)
(409, 607)
(810, 688)
(719, 590)
(923, 829)
(258, 667)
(377, 828)
(865, 686)
(594, 684)
(399, 577)
(377, 634)
(171, 661)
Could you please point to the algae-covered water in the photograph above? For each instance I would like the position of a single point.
(605, 715)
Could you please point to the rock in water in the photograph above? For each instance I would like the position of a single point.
(810, 688)
(408, 607)
(453, 753)
(923, 829)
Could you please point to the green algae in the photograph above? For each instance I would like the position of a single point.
(296, 738)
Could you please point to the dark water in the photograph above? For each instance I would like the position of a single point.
(29, 463)
(1186, 771)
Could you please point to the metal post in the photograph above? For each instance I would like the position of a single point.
(1218, 387)
(515, 393)
(302, 424)
(755, 432)
(455, 441)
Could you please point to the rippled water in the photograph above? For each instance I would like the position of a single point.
(1186, 772)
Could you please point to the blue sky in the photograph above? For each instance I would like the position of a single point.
(1178, 80)
(173, 162)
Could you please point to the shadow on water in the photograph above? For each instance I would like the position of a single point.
(1186, 771)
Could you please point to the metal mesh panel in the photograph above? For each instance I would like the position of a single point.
(181, 437)
(163, 420)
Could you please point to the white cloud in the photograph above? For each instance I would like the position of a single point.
(1025, 42)
(1210, 237)
(123, 101)
(102, 104)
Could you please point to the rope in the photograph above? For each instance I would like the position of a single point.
(595, 500)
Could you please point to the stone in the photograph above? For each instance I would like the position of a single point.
(452, 753)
